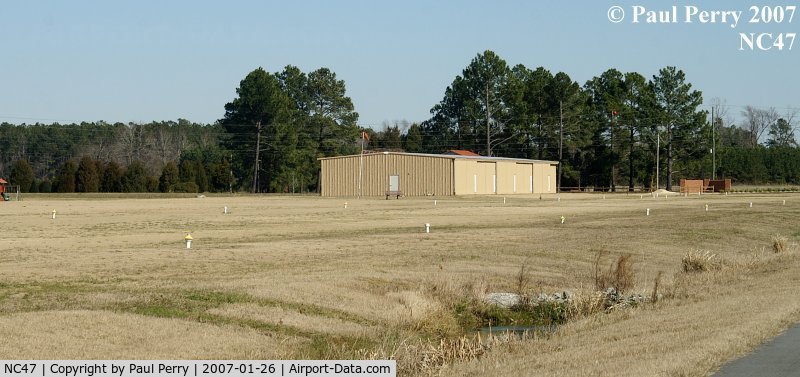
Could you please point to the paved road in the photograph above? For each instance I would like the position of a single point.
(778, 358)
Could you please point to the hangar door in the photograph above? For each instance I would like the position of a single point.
(485, 178)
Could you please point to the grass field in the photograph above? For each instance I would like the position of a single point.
(303, 277)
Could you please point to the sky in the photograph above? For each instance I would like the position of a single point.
(146, 60)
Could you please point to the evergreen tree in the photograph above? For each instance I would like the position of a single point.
(188, 171)
(260, 104)
(412, 140)
(220, 176)
(781, 134)
(169, 177)
(65, 182)
(201, 178)
(87, 178)
(45, 186)
(677, 104)
(135, 178)
(22, 175)
(112, 178)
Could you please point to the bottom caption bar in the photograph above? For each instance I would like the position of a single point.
(199, 368)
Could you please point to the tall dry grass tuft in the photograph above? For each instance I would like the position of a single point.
(656, 283)
(620, 274)
(522, 280)
(426, 357)
(586, 303)
(699, 261)
(599, 276)
(780, 243)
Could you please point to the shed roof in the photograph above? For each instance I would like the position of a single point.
(449, 156)
(2, 181)
(461, 152)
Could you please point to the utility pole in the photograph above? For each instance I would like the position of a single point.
(488, 127)
(713, 146)
(658, 154)
(258, 147)
(560, 144)
(361, 164)
(613, 159)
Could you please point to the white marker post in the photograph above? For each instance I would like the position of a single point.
(345, 205)
(225, 210)
(188, 239)
(434, 202)
(54, 215)
(784, 201)
(706, 207)
(559, 199)
(427, 228)
(751, 204)
(562, 219)
(647, 213)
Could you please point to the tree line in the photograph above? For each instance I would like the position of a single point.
(618, 130)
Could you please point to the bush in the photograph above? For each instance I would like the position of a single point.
(152, 184)
(190, 187)
(45, 186)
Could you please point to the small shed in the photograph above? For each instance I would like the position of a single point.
(3, 184)
(419, 174)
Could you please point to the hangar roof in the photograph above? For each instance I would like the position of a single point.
(449, 156)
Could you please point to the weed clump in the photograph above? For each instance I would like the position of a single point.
(620, 274)
(699, 261)
(780, 243)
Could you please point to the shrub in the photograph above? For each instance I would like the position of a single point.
(190, 187)
(45, 186)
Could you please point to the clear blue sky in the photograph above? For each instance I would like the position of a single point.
(72, 61)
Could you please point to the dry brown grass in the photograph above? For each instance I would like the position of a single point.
(654, 296)
(780, 243)
(302, 277)
(620, 275)
(699, 261)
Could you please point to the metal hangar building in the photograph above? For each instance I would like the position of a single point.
(418, 174)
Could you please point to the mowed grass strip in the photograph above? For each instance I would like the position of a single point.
(317, 265)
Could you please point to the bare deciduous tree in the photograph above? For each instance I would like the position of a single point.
(757, 121)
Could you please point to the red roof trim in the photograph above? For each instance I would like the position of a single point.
(462, 152)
